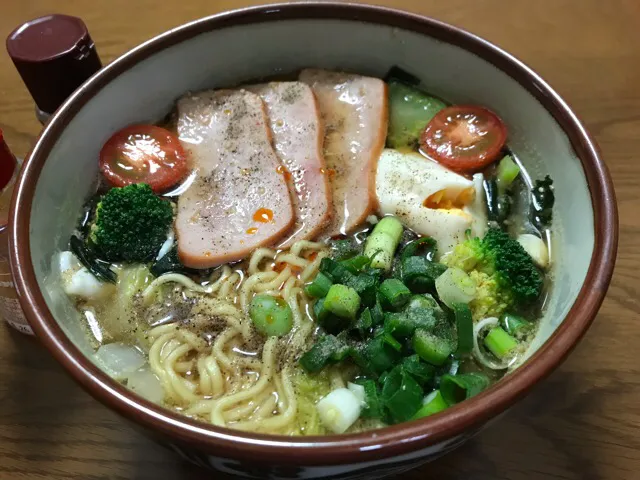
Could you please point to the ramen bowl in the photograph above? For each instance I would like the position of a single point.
(227, 49)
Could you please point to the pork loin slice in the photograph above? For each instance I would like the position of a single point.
(239, 199)
(298, 136)
(354, 111)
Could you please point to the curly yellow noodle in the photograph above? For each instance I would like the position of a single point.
(235, 377)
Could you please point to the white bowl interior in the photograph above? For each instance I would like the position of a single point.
(229, 56)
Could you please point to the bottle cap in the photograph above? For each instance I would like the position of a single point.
(54, 55)
(7, 163)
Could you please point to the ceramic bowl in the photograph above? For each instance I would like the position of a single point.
(227, 49)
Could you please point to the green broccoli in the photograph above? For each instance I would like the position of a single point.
(503, 271)
(131, 224)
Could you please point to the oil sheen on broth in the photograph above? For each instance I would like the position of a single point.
(326, 254)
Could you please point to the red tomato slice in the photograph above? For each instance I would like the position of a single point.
(143, 154)
(464, 138)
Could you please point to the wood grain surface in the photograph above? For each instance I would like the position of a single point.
(582, 423)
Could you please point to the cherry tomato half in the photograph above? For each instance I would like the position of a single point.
(464, 138)
(143, 154)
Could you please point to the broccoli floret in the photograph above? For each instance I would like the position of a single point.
(504, 273)
(131, 224)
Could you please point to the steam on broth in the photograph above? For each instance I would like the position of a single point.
(327, 255)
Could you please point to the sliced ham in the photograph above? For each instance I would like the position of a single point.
(354, 111)
(239, 199)
(298, 136)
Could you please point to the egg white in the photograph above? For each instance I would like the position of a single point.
(404, 180)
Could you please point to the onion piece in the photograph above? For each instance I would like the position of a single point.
(455, 286)
(479, 354)
(339, 410)
(120, 360)
(166, 246)
(146, 384)
(536, 249)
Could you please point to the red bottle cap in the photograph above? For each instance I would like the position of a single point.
(7, 163)
(54, 55)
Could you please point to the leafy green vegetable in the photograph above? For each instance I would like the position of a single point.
(131, 224)
(98, 268)
(410, 110)
(543, 200)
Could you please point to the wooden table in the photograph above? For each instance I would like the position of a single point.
(582, 423)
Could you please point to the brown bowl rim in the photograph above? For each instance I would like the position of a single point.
(323, 450)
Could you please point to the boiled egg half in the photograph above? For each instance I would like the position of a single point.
(429, 198)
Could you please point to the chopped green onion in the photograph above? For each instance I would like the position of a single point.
(365, 322)
(507, 172)
(373, 405)
(383, 241)
(425, 247)
(499, 342)
(433, 404)
(455, 286)
(431, 348)
(343, 249)
(394, 293)
(330, 322)
(404, 324)
(365, 286)
(514, 324)
(392, 342)
(456, 388)
(423, 301)
(356, 264)
(319, 287)
(342, 301)
(420, 371)
(377, 314)
(420, 274)
(320, 354)
(401, 395)
(271, 316)
(336, 272)
(377, 356)
(464, 326)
